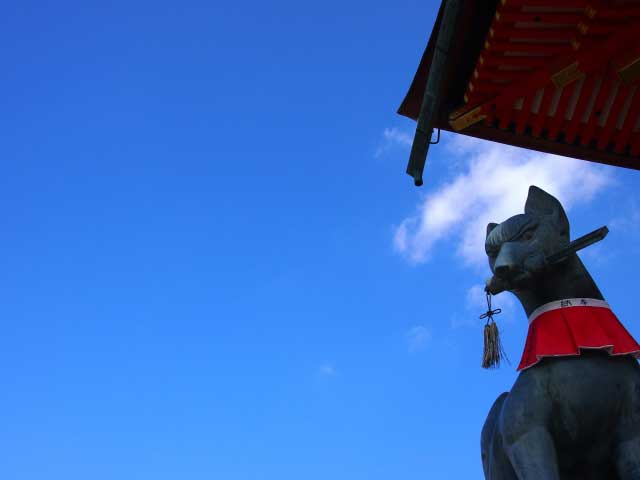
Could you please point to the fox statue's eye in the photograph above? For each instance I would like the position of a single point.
(528, 235)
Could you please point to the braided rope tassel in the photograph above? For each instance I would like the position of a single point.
(493, 351)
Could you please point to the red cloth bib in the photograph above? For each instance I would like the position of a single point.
(564, 327)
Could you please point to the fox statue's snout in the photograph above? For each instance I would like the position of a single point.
(516, 264)
(517, 248)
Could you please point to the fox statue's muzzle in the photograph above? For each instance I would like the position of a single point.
(515, 266)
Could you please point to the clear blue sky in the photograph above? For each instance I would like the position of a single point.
(199, 276)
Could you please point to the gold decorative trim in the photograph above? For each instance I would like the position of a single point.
(567, 75)
(630, 72)
(467, 119)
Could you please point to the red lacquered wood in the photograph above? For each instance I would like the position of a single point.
(635, 145)
(489, 119)
(588, 130)
(618, 12)
(539, 121)
(565, 34)
(539, 18)
(581, 107)
(505, 116)
(605, 136)
(557, 120)
(543, 3)
(523, 115)
(501, 76)
(495, 59)
(621, 139)
(588, 61)
(523, 47)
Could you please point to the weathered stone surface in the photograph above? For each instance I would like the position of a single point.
(572, 417)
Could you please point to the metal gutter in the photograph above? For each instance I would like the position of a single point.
(432, 94)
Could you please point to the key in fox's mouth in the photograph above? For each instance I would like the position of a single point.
(497, 284)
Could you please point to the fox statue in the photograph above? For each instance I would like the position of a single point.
(574, 410)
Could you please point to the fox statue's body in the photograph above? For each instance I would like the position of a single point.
(570, 417)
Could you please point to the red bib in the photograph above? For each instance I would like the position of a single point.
(563, 327)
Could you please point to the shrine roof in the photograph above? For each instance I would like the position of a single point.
(557, 76)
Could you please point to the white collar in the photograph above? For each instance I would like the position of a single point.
(567, 303)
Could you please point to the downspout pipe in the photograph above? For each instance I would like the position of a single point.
(433, 92)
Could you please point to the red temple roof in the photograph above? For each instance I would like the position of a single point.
(558, 76)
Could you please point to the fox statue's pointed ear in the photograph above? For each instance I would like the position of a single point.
(490, 227)
(540, 203)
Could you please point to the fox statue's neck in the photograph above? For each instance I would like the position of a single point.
(570, 279)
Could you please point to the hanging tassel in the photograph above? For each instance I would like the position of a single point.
(493, 351)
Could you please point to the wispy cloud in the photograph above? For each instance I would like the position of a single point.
(626, 226)
(476, 305)
(327, 370)
(417, 338)
(393, 138)
(477, 298)
(490, 186)
(630, 221)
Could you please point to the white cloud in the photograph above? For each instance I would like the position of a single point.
(327, 370)
(477, 301)
(417, 338)
(393, 138)
(490, 186)
(477, 298)
(598, 254)
(476, 305)
(629, 221)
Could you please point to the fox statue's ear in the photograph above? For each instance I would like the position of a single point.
(540, 203)
(490, 227)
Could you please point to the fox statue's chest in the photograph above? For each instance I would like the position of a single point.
(578, 397)
(590, 388)
(571, 326)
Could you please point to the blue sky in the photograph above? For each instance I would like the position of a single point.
(214, 266)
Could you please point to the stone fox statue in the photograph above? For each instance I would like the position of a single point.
(574, 411)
